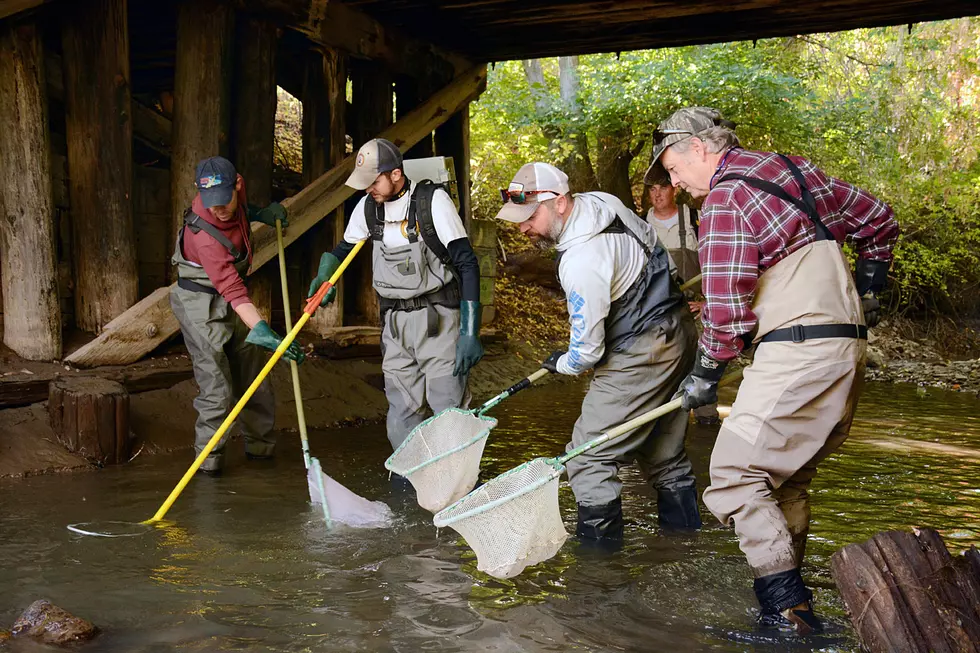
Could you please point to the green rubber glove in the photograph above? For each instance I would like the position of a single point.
(328, 265)
(469, 351)
(263, 336)
(268, 215)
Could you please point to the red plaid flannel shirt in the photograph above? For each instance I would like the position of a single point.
(745, 231)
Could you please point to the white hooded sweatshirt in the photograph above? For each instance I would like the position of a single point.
(595, 270)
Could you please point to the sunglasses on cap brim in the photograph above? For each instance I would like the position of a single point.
(521, 196)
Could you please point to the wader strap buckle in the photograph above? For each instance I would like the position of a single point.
(797, 333)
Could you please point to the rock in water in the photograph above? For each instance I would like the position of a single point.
(4, 635)
(52, 625)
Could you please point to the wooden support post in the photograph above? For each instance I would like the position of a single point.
(373, 102)
(150, 322)
(253, 131)
(202, 81)
(906, 594)
(324, 130)
(90, 416)
(453, 139)
(407, 98)
(28, 260)
(100, 160)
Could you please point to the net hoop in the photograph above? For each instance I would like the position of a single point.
(391, 464)
(445, 517)
(97, 528)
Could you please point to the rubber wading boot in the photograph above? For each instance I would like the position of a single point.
(786, 604)
(677, 509)
(603, 522)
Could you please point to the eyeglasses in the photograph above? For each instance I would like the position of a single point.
(660, 134)
(520, 196)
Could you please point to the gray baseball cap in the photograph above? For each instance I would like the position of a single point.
(375, 157)
(682, 124)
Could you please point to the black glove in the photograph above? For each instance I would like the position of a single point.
(872, 310)
(870, 276)
(551, 363)
(700, 388)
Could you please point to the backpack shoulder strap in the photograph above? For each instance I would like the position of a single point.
(374, 216)
(194, 222)
(420, 213)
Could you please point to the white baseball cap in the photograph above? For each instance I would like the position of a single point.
(534, 183)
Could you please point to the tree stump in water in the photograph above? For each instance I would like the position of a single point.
(905, 593)
(90, 416)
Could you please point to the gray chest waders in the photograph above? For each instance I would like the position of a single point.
(416, 276)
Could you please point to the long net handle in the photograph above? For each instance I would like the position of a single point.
(293, 367)
(311, 306)
(645, 418)
(513, 390)
(690, 283)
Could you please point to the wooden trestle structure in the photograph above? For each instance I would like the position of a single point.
(106, 106)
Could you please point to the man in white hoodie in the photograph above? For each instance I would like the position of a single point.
(630, 323)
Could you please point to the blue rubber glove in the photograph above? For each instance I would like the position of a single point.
(469, 349)
(263, 336)
(328, 265)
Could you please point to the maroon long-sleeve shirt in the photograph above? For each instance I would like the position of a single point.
(217, 261)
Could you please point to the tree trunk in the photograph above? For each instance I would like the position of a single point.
(202, 110)
(613, 165)
(254, 132)
(100, 160)
(90, 416)
(324, 145)
(906, 594)
(372, 100)
(32, 316)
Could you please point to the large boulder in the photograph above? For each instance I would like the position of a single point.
(52, 625)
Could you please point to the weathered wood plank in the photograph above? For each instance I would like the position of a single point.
(28, 257)
(150, 322)
(100, 160)
(11, 7)
(152, 128)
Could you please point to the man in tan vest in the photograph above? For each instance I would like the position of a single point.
(775, 276)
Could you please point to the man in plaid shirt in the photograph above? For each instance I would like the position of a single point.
(775, 276)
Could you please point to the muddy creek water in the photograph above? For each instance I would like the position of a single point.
(248, 564)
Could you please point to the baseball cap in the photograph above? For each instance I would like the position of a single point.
(215, 181)
(682, 124)
(376, 156)
(534, 183)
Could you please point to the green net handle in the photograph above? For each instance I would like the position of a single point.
(626, 427)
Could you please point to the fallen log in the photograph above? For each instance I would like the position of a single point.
(905, 593)
(150, 322)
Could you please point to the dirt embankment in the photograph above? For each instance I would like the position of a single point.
(335, 393)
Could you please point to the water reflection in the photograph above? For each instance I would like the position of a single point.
(247, 564)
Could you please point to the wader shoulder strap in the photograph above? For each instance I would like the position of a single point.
(194, 222)
(420, 221)
(617, 226)
(807, 204)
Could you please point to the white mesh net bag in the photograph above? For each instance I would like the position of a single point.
(441, 456)
(513, 521)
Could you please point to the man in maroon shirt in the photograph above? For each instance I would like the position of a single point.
(775, 276)
(222, 329)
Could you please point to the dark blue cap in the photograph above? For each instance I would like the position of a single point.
(215, 180)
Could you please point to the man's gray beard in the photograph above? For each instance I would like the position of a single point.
(545, 243)
(554, 233)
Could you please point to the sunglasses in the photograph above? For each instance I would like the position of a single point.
(660, 134)
(521, 196)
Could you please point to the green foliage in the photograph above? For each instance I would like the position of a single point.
(891, 111)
